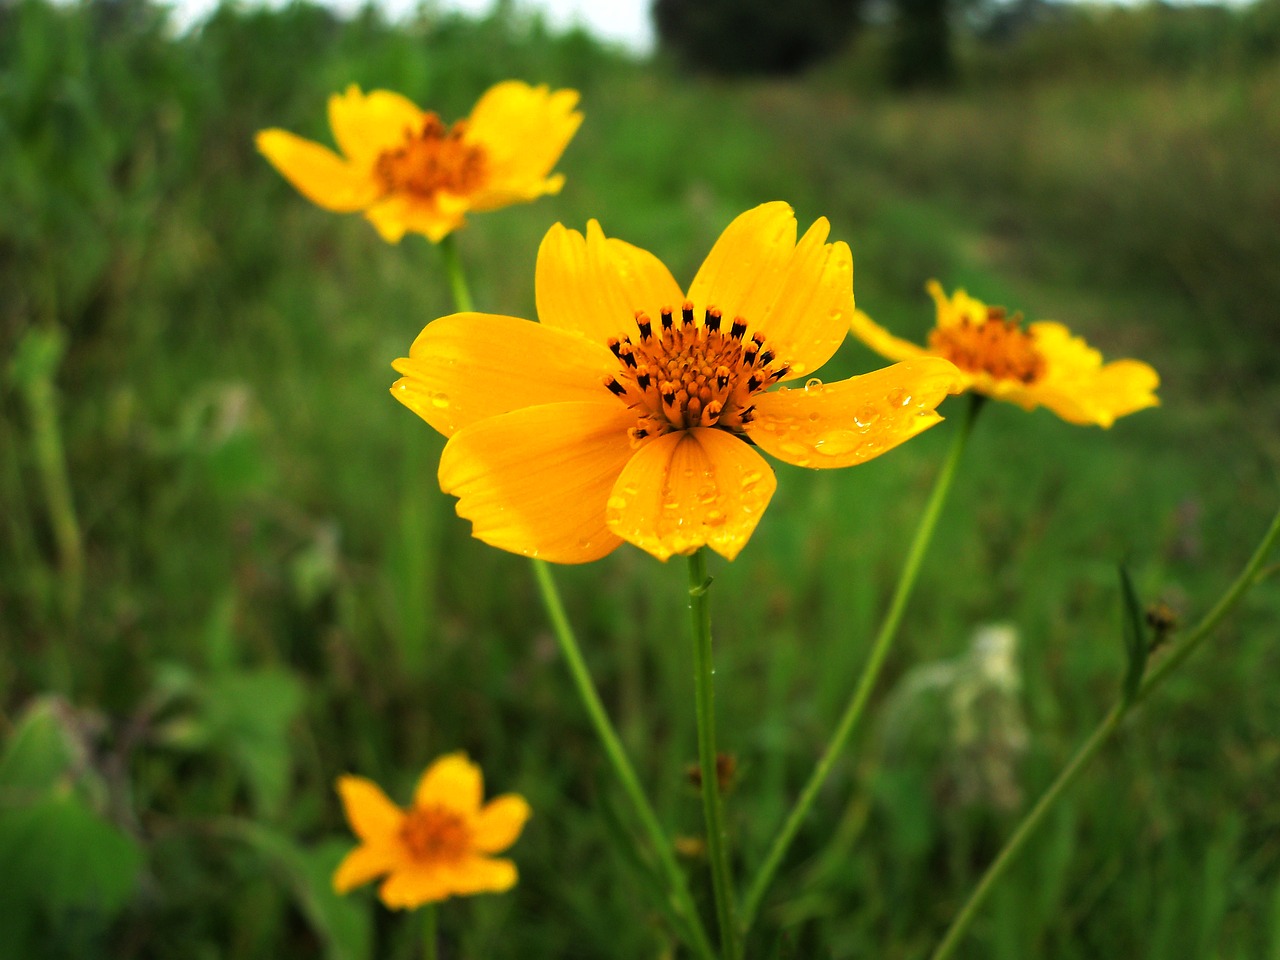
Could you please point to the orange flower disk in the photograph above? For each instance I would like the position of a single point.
(409, 172)
(438, 847)
(633, 410)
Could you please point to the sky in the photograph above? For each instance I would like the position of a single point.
(625, 22)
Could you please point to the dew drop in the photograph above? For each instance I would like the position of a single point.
(815, 417)
(813, 385)
(838, 442)
(616, 503)
(715, 518)
(749, 480)
(440, 401)
(896, 395)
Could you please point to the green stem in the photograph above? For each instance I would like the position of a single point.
(457, 279)
(712, 804)
(430, 936)
(866, 683)
(1252, 572)
(34, 369)
(682, 904)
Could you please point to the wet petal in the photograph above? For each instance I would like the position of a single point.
(523, 131)
(471, 366)
(688, 489)
(535, 481)
(800, 296)
(412, 886)
(373, 817)
(366, 125)
(364, 863)
(453, 782)
(881, 340)
(852, 421)
(500, 823)
(317, 172)
(594, 285)
(483, 875)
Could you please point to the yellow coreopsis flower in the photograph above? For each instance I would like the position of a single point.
(633, 411)
(439, 846)
(410, 173)
(1040, 365)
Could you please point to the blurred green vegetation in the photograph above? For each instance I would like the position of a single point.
(272, 591)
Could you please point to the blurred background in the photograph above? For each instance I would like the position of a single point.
(227, 574)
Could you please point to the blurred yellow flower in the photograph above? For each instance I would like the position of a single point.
(410, 173)
(436, 848)
(633, 412)
(1041, 365)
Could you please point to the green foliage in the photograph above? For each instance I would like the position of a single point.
(275, 592)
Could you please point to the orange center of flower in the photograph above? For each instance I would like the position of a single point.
(431, 159)
(999, 346)
(432, 834)
(684, 374)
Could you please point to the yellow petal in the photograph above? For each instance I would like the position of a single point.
(372, 816)
(799, 296)
(535, 481)
(471, 366)
(881, 340)
(500, 823)
(366, 125)
(482, 875)
(840, 424)
(452, 781)
(400, 213)
(594, 286)
(413, 885)
(1078, 387)
(363, 864)
(957, 308)
(684, 490)
(523, 131)
(317, 172)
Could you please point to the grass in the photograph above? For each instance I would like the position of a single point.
(275, 591)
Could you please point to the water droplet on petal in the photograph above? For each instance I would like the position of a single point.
(440, 401)
(896, 395)
(749, 480)
(616, 503)
(813, 385)
(838, 442)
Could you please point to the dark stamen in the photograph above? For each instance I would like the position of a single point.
(738, 329)
(686, 313)
(666, 318)
(615, 387)
(713, 318)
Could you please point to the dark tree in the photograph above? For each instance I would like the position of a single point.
(738, 37)
(920, 54)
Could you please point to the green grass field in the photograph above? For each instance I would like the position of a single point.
(273, 591)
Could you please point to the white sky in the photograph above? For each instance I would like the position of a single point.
(624, 22)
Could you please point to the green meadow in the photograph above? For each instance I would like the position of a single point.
(228, 575)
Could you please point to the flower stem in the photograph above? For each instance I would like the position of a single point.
(1252, 573)
(870, 672)
(457, 279)
(682, 903)
(712, 806)
(430, 936)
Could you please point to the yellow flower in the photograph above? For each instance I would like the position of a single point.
(437, 848)
(633, 412)
(1043, 364)
(409, 172)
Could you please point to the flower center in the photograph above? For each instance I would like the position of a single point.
(432, 158)
(998, 346)
(432, 834)
(686, 375)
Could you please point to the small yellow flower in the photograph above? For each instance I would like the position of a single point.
(436, 848)
(1041, 365)
(410, 173)
(633, 412)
